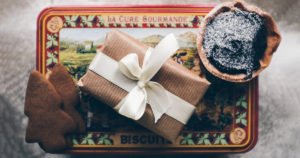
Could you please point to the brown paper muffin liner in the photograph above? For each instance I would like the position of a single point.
(273, 39)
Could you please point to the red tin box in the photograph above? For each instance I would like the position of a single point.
(226, 120)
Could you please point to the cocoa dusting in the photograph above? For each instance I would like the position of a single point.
(235, 41)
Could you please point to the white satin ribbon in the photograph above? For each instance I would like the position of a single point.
(136, 81)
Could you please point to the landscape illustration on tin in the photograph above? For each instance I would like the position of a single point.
(79, 46)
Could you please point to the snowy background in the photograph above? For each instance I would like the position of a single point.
(279, 107)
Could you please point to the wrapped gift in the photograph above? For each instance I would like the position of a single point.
(144, 84)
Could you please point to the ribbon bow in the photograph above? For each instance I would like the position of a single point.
(146, 91)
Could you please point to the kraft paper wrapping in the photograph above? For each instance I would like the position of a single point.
(172, 76)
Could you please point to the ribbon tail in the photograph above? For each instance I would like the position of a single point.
(134, 104)
(159, 55)
(158, 99)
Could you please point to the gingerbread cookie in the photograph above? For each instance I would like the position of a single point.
(65, 87)
(48, 123)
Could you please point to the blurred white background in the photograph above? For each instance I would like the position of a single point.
(279, 107)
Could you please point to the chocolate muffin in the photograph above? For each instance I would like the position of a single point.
(236, 41)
